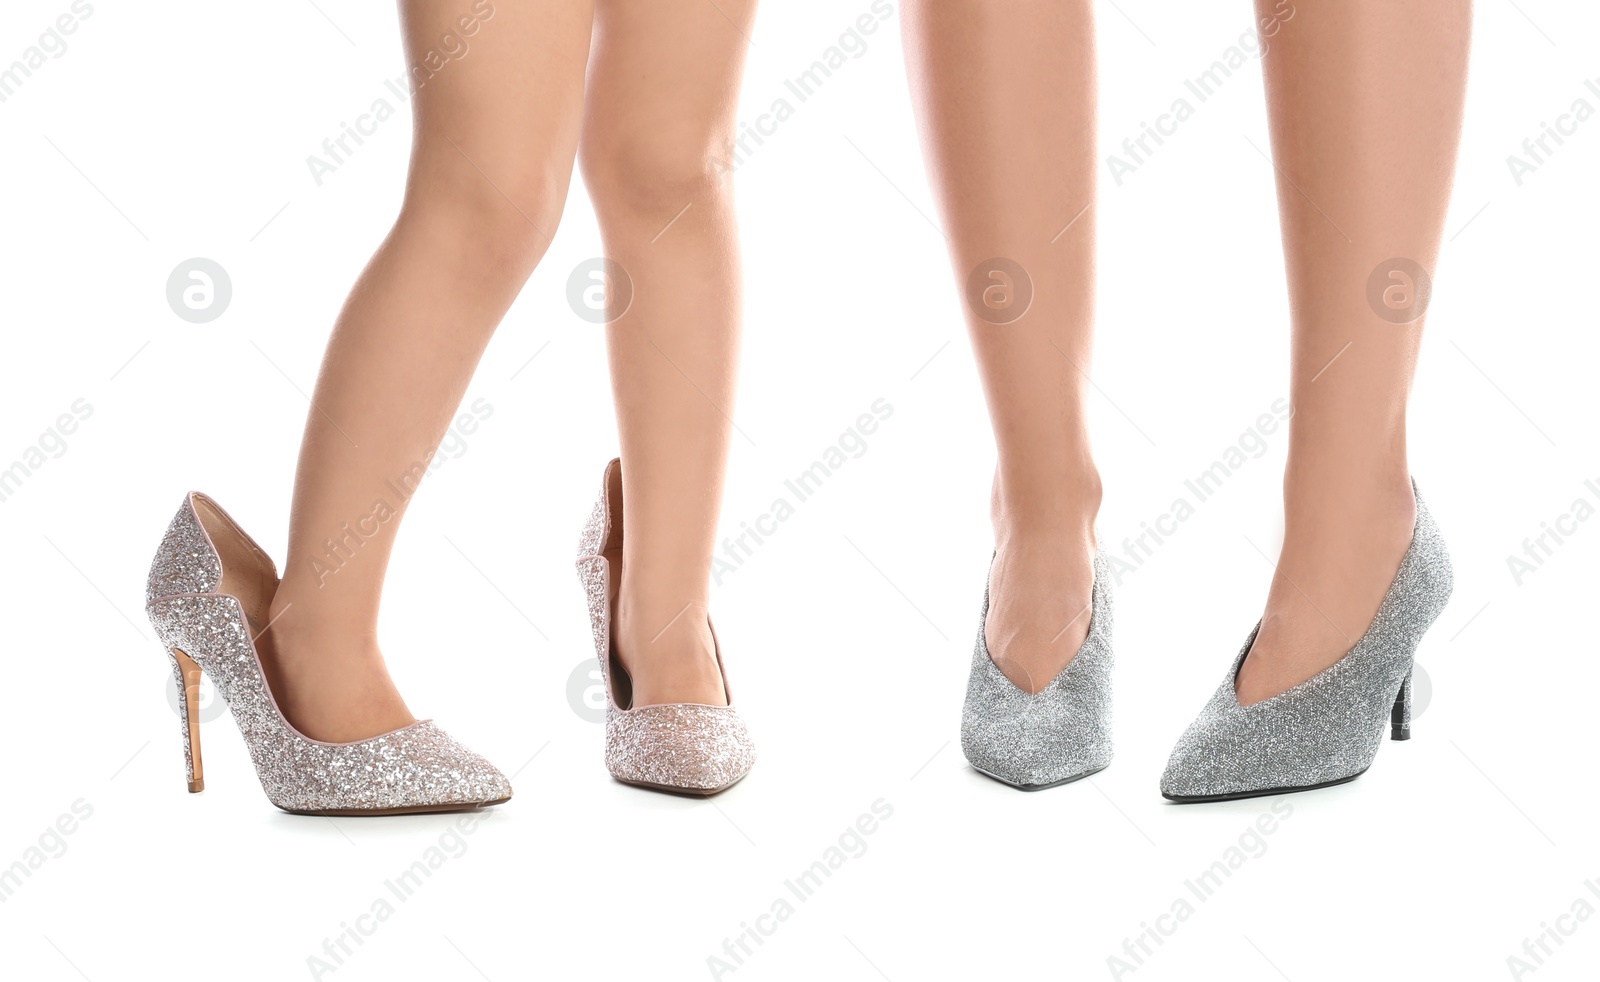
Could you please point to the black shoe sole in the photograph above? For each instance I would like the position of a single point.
(1037, 787)
(1262, 793)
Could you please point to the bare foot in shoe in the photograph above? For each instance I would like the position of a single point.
(668, 652)
(1040, 592)
(1343, 543)
(332, 684)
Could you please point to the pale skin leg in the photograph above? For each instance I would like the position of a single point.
(1365, 99)
(1004, 92)
(663, 91)
(496, 136)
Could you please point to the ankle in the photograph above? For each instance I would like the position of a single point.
(1054, 509)
(1364, 470)
(648, 626)
(296, 638)
(311, 614)
(670, 658)
(1357, 501)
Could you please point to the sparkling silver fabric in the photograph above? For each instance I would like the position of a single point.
(185, 561)
(1327, 728)
(1058, 734)
(677, 746)
(414, 768)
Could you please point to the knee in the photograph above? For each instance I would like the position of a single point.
(651, 175)
(501, 225)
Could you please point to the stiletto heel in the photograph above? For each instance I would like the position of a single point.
(1326, 730)
(1400, 715)
(187, 674)
(209, 587)
(685, 748)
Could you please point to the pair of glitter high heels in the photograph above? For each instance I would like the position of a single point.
(1322, 732)
(208, 594)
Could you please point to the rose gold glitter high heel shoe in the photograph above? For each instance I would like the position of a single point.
(209, 588)
(682, 747)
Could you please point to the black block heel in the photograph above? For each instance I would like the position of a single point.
(1400, 717)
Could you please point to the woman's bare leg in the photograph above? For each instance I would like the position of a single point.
(663, 90)
(496, 132)
(1365, 98)
(1004, 92)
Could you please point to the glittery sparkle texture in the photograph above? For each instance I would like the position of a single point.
(689, 747)
(416, 768)
(1326, 729)
(1059, 734)
(185, 561)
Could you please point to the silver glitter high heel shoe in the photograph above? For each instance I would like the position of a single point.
(1061, 733)
(1326, 730)
(209, 589)
(683, 747)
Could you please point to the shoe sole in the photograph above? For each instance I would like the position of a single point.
(1037, 787)
(407, 810)
(679, 791)
(1262, 793)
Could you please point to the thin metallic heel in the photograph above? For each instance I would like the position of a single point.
(1400, 716)
(187, 675)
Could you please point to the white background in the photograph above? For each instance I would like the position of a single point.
(170, 131)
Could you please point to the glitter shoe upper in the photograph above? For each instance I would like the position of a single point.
(1055, 735)
(677, 746)
(416, 767)
(1327, 728)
